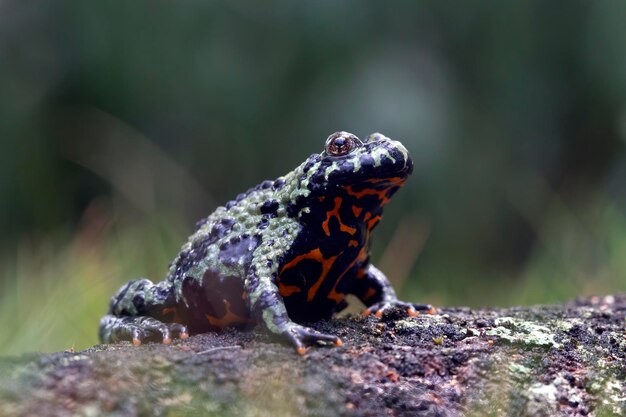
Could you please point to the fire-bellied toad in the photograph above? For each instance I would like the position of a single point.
(284, 252)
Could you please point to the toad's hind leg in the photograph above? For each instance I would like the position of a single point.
(136, 311)
(139, 329)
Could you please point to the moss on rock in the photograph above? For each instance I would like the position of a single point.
(562, 360)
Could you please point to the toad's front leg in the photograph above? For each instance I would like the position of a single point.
(375, 291)
(268, 307)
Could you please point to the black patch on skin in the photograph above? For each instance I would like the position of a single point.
(262, 186)
(139, 300)
(201, 222)
(300, 201)
(302, 311)
(385, 159)
(117, 299)
(242, 196)
(343, 174)
(278, 184)
(317, 178)
(391, 192)
(189, 258)
(263, 223)
(252, 280)
(400, 159)
(363, 185)
(310, 162)
(162, 295)
(367, 160)
(221, 229)
(270, 207)
(317, 189)
(293, 209)
(346, 166)
(233, 253)
(228, 222)
(144, 297)
(298, 275)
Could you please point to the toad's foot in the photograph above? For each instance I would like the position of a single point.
(139, 329)
(301, 336)
(412, 309)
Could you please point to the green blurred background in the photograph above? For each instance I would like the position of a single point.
(123, 122)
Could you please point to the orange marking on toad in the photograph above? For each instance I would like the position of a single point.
(228, 318)
(287, 290)
(369, 294)
(316, 255)
(168, 310)
(363, 255)
(339, 297)
(394, 182)
(373, 222)
(335, 213)
(172, 310)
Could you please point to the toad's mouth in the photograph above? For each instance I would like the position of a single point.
(381, 183)
(380, 188)
(398, 180)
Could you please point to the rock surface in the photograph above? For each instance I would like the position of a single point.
(564, 360)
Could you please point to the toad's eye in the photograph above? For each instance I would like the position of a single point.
(341, 143)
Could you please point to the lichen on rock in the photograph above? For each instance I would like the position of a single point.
(566, 360)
